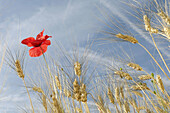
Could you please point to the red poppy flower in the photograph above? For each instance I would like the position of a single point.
(39, 44)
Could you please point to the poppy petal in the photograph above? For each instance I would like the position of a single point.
(44, 37)
(27, 41)
(36, 43)
(29, 45)
(38, 51)
(40, 35)
(47, 42)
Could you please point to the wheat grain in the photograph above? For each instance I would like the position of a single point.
(77, 68)
(160, 83)
(76, 90)
(167, 32)
(37, 89)
(121, 92)
(110, 95)
(148, 26)
(44, 102)
(67, 93)
(145, 77)
(135, 66)
(128, 77)
(121, 74)
(137, 93)
(58, 83)
(79, 110)
(117, 95)
(126, 107)
(147, 23)
(100, 100)
(19, 69)
(56, 104)
(139, 87)
(164, 17)
(83, 93)
(127, 38)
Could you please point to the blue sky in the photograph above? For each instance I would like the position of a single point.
(67, 21)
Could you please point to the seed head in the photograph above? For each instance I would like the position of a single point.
(58, 83)
(160, 83)
(77, 68)
(121, 92)
(127, 38)
(164, 17)
(110, 95)
(76, 90)
(44, 102)
(83, 93)
(19, 69)
(79, 110)
(77, 96)
(37, 89)
(57, 108)
(100, 100)
(117, 95)
(139, 87)
(67, 93)
(148, 25)
(128, 78)
(121, 74)
(153, 30)
(145, 77)
(135, 66)
(137, 93)
(126, 107)
(167, 32)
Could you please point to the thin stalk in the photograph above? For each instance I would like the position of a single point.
(2, 59)
(66, 105)
(117, 110)
(74, 105)
(47, 99)
(154, 59)
(28, 95)
(87, 108)
(80, 106)
(160, 53)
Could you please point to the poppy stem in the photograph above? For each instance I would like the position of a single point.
(53, 82)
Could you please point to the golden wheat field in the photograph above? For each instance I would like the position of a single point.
(76, 56)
